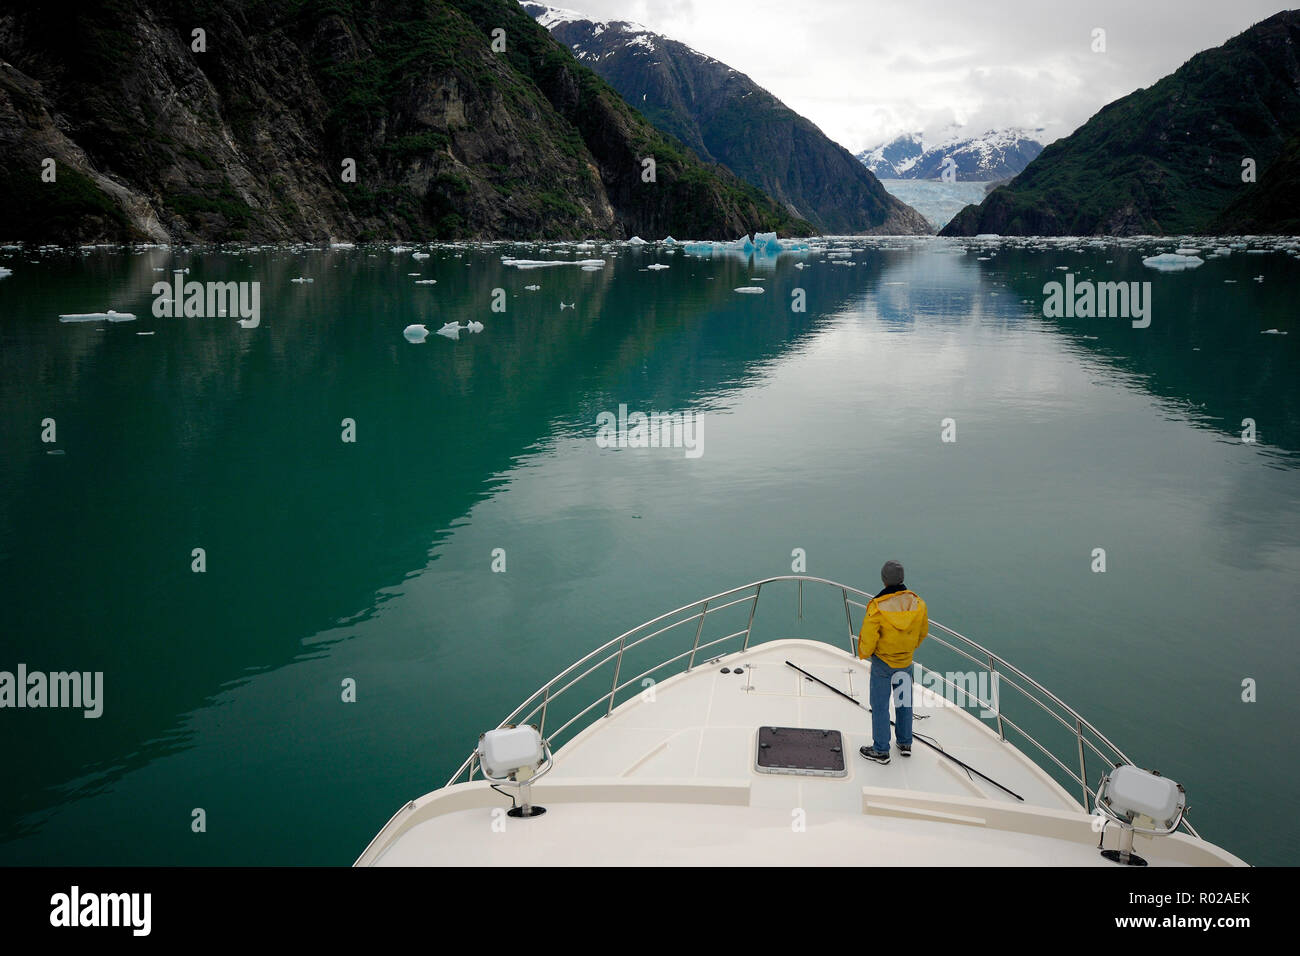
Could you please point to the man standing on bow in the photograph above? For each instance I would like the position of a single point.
(893, 628)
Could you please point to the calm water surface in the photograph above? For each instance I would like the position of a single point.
(372, 560)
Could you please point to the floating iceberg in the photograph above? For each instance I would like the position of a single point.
(110, 316)
(542, 263)
(474, 326)
(451, 330)
(670, 241)
(1172, 262)
(636, 241)
(1272, 332)
(415, 333)
(5, 272)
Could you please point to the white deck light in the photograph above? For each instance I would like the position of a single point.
(1139, 801)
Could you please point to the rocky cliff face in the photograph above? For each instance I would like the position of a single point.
(726, 117)
(250, 130)
(1165, 160)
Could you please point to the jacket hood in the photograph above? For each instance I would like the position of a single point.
(901, 609)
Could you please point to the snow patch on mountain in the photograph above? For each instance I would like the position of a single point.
(551, 17)
(996, 154)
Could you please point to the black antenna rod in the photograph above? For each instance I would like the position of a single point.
(919, 738)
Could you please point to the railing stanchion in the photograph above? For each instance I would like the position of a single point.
(1083, 767)
(698, 628)
(801, 599)
(618, 665)
(993, 692)
(752, 608)
(848, 618)
(546, 698)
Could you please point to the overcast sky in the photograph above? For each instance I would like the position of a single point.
(864, 70)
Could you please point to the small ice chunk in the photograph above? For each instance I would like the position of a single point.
(656, 266)
(1172, 262)
(415, 333)
(451, 330)
(669, 241)
(592, 268)
(751, 289)
(532, 288)
(419, 255)
(542, 263)
(1272, 332)
(301, 279)
(426, 281)
(1187, 251)
(144, 333)
(636, 241)
(110, 316)
(475, 326)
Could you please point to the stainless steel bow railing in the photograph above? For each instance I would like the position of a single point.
(1086, 738)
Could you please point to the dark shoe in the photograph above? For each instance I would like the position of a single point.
(875, 755)
(905, 749)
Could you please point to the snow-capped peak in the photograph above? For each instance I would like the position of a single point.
(994, 154)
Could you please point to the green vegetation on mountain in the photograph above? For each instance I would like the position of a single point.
(728, 118)
(253, 136)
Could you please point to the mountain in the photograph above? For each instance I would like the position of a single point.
(1165, 160)
(997, 154)
(247, 138)
(1272, 207)
(893, 159)
(727, 118)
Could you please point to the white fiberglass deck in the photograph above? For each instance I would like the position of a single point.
(671, 780)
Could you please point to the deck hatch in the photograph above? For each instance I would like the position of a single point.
(800, 750)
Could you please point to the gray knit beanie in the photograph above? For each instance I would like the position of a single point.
(891, 573)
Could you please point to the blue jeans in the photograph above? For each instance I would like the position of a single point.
(885, 679)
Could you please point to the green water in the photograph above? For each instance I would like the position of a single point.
(372, 560)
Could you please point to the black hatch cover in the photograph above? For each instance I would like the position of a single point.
(800, 750)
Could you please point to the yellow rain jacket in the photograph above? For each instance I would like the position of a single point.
(893, 628)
